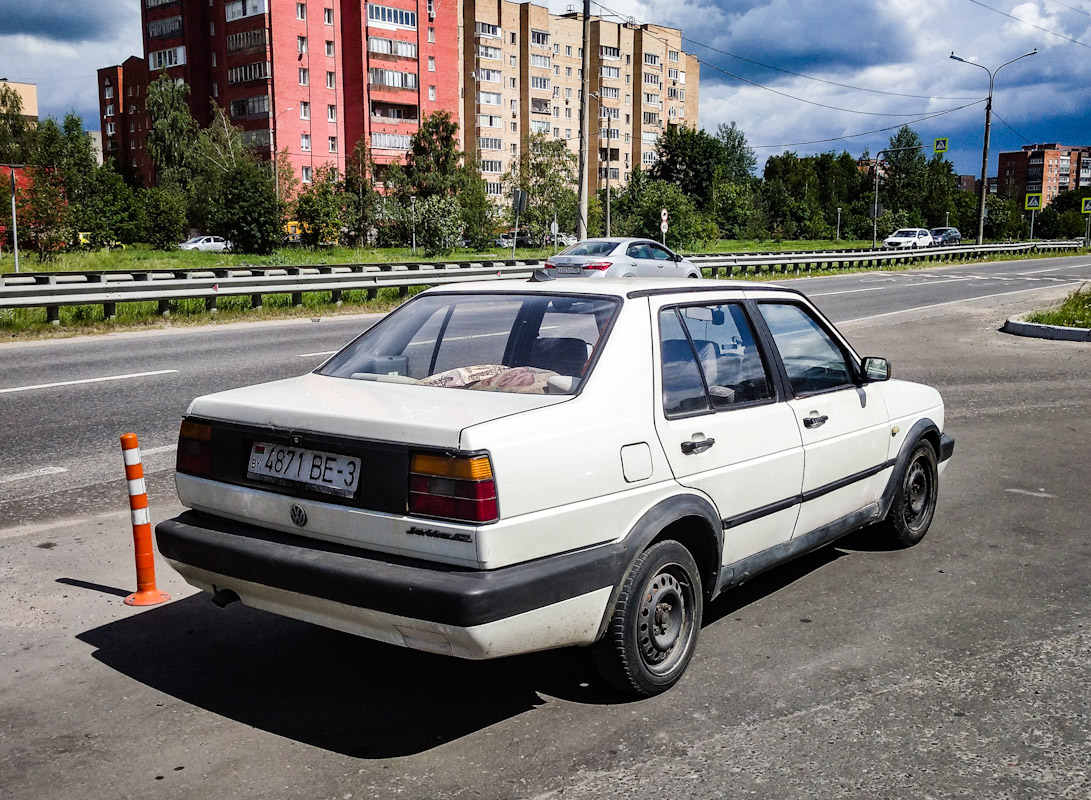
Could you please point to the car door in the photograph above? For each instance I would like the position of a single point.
(844, 424)
(667, 265)
(724, 425)
(640, 261)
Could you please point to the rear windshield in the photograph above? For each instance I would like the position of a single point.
(530, 344)
(591, 249)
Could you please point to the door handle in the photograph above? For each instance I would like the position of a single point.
(814, 422)
(689, 448)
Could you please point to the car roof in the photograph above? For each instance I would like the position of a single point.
(611, 287)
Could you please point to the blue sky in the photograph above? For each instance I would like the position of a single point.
(893, 46)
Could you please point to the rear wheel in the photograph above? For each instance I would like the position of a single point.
(914, 503)
(653, 631)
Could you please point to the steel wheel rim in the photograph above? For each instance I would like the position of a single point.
(919, 489)
(664, 620)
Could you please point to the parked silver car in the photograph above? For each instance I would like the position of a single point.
(620, 258)
(208, 244)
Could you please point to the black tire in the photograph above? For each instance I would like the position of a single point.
(653, 630)
(914, 503)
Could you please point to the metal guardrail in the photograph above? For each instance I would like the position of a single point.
(52, 290)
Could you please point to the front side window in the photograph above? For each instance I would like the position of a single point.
(711, 359)
(813, 360)
(528, 344)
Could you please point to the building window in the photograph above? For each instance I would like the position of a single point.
(556, 49)
(514, 147)
(489, 143)
(331, 80)
(305, 174)
(568, 50)
(171, 26)
(513, 38)
(539, 126)
(249, 107)
(432, 93)
(492, 165)
(214, 58)
(391, 47)
(257, 138)
(331, 113)
(392, 78)
(431, 63)
(513, 82)
(606, 112)
(392, 16)
(249, 72)
(301, 43)
(333, 144)
(488, 98)
(493, 53)
(610, 72)
(651, 118)
(568, 113)
(390, 141)
(329, 49)
(490, 76)
(557, 70)
(171, 57)
(672, 55)
(487, 30)
(512, 61)
(609, 92)
(490, 121)
(610, 52)
(556, 133)
(539, 38)
(305, 142)
(110, 128)
(568, 133)
(327, 16)
(108, 93)
(494, 189)
(514, 105)
(431, 35)
(545, 62)
(539, 83)
(304, 76)
(257, 38)
(651, 59)
(244, 8)
(514, 128)
(300, 10)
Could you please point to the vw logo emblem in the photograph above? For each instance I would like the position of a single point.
(299, 515)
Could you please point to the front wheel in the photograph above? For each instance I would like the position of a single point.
(652, 632)
(914, 503)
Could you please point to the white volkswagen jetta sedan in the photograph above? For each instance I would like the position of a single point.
(499, 468)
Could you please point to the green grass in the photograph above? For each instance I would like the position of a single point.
(1074, 312)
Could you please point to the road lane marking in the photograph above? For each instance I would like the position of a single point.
(88, 380)
(1042, 493)
(1054, 269)
(312, 355)
(953, 302)
(38, 473)
(151, 451)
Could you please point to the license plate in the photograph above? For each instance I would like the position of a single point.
(569, 270)
(293, 466)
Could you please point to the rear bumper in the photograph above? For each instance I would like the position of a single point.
(550, 602)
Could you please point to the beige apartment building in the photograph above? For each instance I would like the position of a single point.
(522, 70)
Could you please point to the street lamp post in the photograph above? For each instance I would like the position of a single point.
(985, 145)
(276, 166)
(413, 206)
(14, 220)
(839, 223)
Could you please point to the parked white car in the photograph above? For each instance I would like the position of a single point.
(499, 468)
(620, 258)
(210, 244)
(908, 239)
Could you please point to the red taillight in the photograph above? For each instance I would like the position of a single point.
(597, 265)
(452, 487)
(549, 265)
(195, 449)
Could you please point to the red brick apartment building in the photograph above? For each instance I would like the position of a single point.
(1046, 168)
(313, 77)
(306, 76)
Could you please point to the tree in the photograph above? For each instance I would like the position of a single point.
(546, 171)
(1072, 200)
(432, 163)
(245, 209)
(110, 213)
(940, 187)
(320, 209)
(438, 224)
(640, 203)
(45, 223)
(165, 216)
(173, 130)
(475, 208)
(15, 132)
(738, 160)
(903, 186)
(360, 198)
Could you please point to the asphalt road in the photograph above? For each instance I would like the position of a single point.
(955, 669)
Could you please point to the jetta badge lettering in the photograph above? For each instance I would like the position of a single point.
(299, 515)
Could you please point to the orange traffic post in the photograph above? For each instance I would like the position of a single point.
(146, 594)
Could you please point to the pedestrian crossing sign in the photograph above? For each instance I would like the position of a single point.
(1087, 205)
(940, 145)
(1033, 201)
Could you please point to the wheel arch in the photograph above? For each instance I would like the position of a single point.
(689, 519)
(923, 429)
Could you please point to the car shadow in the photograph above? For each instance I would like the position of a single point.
(354, 696)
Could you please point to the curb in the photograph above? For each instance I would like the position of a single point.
(1017, 327)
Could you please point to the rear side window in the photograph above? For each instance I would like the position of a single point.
(529, 344)
(711, 360)
(813, 360)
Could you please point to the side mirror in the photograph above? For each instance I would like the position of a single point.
(875, 368)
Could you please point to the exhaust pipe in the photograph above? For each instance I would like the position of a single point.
(223, 597)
